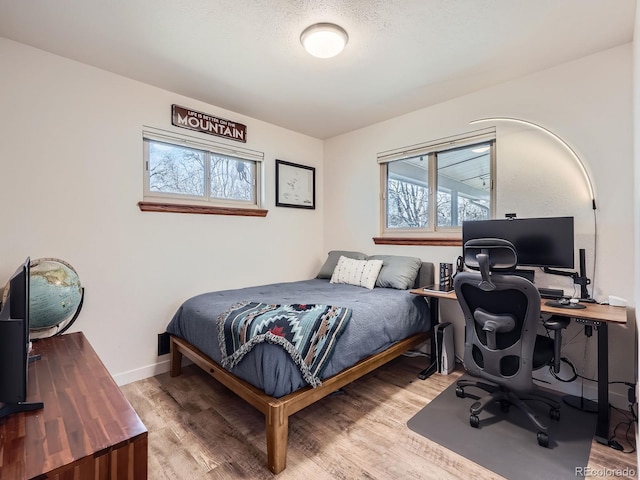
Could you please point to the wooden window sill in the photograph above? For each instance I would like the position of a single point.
(443, 242)
(201, 209)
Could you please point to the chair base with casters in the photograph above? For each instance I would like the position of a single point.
(507, 398)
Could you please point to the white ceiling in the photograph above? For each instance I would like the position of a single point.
(245, 55)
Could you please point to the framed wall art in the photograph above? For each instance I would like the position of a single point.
(295, 185)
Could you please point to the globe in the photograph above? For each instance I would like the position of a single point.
(55, 293)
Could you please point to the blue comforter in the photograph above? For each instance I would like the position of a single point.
(381, 317)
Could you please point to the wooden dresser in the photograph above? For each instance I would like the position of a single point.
(87, 429)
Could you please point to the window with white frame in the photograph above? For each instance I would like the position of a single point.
(434, 187)
(187, 170)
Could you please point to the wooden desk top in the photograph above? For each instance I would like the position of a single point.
(434, 293)
(84, 413)
(594, 311)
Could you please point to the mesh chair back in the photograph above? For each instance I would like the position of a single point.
(502, 314)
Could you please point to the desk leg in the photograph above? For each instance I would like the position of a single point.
(434, 308)
(602, 425)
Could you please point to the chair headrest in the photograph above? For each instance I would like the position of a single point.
(501, 254)
(489, 255)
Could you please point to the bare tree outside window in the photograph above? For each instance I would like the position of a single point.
(232, 178)
(408, 193)
(174, 169)
(407, 205)
(200, 175)
(462, 188)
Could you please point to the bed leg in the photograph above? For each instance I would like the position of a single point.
(277, 435)
(175, 360)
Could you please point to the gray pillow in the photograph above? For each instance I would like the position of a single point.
(397, 271)
(330, 264)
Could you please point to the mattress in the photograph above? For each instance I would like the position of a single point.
(380, 318)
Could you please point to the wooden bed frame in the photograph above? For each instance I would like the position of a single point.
(278, 410)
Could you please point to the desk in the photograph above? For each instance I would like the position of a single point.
(87, 428)
(595, 315)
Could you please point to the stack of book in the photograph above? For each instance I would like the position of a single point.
(446, 277)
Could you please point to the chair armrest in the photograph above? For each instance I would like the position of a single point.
(556, 323)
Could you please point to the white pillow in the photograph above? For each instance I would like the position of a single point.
(362, 273)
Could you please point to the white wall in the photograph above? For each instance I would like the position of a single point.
(71, 177)
(588, 103)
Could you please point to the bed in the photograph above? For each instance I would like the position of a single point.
(384, 323)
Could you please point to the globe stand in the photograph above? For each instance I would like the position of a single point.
(75, 315)
(70, 322)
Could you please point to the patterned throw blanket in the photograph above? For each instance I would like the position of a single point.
(308, 333)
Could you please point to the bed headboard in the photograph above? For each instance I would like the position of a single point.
(425, 275)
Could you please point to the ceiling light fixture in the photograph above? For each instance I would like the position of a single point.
(324, 40)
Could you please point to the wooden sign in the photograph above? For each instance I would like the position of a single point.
(202, 122)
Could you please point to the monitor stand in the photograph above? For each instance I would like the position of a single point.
(18, 407)
(10, 408)
(578, 278)
(564, 304)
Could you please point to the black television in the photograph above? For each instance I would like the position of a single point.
(539, 242)
(14, 345)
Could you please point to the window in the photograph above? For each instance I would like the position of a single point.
(187, 170)
(434, 187)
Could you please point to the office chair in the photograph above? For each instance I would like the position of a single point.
(502, 346)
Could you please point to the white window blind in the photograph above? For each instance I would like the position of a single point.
(442, 144)
(158, 135)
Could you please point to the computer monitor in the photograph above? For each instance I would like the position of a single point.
(14, 345)
(539, 242)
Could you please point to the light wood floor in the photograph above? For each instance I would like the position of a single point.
(200, 430)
